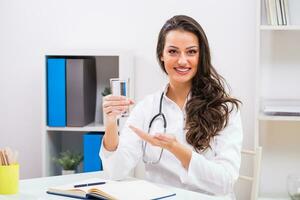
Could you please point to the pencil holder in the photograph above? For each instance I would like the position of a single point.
(9, 179)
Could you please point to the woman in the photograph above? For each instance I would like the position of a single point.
(200, 148)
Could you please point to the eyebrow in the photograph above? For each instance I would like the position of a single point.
(187, 47)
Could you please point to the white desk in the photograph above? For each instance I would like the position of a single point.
(36, 188)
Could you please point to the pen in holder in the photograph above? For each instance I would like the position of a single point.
(119, 88)
(9, 172)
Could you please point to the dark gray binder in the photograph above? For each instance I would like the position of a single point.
(81, 91)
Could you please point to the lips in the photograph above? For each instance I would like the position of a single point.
(182, 70)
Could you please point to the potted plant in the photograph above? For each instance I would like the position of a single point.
(69, 161)
(105, 92)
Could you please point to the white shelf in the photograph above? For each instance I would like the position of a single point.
(273, 198)
(89, 128)
(264, 117)
(280, 28)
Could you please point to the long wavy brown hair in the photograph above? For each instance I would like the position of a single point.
(210, 104)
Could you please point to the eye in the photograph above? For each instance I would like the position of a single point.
(192, 52)
(172, 51)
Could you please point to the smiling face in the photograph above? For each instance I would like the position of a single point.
(180, 56)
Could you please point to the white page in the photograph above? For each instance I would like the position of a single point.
(134, 190)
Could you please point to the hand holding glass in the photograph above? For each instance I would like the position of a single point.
(116, 104)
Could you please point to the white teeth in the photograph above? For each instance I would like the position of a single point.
(183, 69)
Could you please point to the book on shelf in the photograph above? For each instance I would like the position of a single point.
(286, 12)
(271, 10)
(277, 12)
(56, 92)
(91, 145)
(283, 110)
(281, 107)
(268, 11)
(105, 189)
(283, 14)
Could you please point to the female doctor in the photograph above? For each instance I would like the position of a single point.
(189, 134)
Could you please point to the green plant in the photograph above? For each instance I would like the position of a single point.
(69, 160)
(106, 91)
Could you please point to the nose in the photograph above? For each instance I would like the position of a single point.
(182, 60)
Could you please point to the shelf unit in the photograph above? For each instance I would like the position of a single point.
(109, 64)
(277, 77)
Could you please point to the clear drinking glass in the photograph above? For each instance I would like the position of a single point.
(120, 87)
(293, 186)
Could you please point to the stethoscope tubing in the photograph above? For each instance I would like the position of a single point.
(144, 143)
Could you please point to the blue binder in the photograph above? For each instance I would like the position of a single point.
(91, 147)
(56, 92)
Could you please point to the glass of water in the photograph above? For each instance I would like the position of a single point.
(293, 186)
(120, 87)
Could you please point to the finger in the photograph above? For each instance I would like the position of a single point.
(131, 101)
(126, 98)
(160, 137)
(121, 108)
(157, 142)
(145, 136)
(109, 110)
(164, 137)
(114, 113)
(138, 131)
(163, 140)
(118, 98)
(161, 143)
(114, 98)
(116, 103)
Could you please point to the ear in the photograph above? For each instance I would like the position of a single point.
(162, 58)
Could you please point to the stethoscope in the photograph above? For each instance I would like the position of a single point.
(144, 143)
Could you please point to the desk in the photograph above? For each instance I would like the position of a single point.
(36, 188)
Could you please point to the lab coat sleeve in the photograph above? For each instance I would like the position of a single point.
(118, 164)
(218, 174)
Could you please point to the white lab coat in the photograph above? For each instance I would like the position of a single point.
(213, 171)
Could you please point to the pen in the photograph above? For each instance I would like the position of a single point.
(88, 184)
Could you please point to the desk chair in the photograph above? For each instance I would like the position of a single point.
(255, 178)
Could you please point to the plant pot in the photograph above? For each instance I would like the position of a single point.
(66, 172)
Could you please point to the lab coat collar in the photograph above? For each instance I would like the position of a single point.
(165, 90)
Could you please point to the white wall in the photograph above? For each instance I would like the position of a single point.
(28, 28)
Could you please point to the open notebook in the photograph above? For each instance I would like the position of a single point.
(131, 189)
